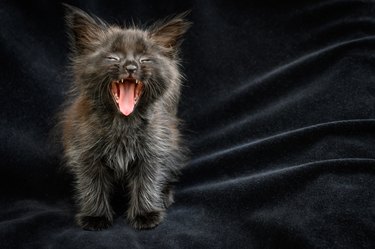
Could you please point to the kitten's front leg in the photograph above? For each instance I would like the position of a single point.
(93, 187)
(146, 207)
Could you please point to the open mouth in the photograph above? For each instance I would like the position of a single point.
(126, 94)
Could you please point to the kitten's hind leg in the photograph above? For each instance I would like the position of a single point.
(93, 189)
(168, 195)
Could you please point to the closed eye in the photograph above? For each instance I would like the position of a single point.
(145, 60)
(112, 58)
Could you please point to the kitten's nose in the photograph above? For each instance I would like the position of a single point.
(131, 68)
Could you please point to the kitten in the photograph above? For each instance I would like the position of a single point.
(121, 124)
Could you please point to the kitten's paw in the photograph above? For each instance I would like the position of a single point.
(94, 223)
(147, 220)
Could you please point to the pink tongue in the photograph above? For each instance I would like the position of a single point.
(126, 101)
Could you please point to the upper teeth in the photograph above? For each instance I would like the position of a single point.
(122, 81)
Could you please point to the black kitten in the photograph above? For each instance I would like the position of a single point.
(121, 124)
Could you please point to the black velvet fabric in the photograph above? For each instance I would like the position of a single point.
(279, 110)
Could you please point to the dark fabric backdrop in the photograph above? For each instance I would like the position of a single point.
(279, 110)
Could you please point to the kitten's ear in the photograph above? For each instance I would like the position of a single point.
(84, 30)
(169, 33)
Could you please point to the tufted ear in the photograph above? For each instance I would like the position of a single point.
(84, 30)
(168, 33)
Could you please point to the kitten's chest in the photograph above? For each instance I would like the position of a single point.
(123, 148)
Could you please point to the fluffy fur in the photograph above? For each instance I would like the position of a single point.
(102, 146)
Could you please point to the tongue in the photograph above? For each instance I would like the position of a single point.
(126, 101)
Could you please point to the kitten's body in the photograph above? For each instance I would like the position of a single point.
(109, 138)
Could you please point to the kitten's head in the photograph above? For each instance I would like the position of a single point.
(125, 68)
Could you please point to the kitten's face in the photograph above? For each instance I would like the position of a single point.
(123, 67)
(129, 67)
